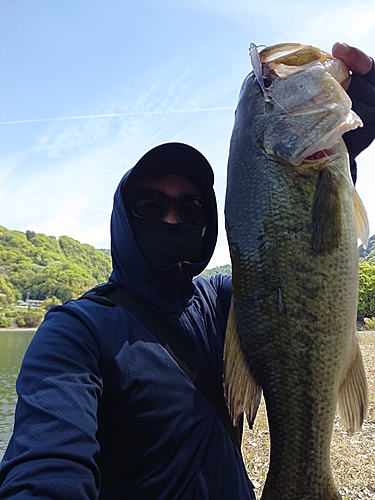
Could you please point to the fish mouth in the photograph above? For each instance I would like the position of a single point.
(322, 153)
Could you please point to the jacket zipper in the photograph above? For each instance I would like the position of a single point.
(178, 286)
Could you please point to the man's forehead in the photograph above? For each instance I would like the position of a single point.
(167, 181)
(173, 184)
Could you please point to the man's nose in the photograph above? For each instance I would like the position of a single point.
(172, 216)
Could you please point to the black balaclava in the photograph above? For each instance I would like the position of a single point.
(164, 244)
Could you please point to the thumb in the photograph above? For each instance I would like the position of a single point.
(356, 60)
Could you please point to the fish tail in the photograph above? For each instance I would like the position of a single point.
(328, 492)
(307, 489)
(242, 393)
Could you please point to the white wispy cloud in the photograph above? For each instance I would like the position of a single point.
(118, 115)
(79, 160)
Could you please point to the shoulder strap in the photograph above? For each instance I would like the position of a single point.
(187, 359)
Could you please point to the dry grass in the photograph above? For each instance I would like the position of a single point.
(353, 458)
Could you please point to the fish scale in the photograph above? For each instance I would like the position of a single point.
(292, 229)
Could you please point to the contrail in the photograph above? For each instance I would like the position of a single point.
(115, 115)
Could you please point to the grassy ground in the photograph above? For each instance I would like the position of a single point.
(353, 458)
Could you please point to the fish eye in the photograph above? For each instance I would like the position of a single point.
(267, 81)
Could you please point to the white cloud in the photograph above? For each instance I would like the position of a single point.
(348, 22)
(363, 21)
(321, 23)
(56, 144)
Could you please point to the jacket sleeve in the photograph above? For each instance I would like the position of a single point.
(223, 285)
(362, 93)
(52, 452)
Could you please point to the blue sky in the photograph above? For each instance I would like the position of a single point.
(88, 86)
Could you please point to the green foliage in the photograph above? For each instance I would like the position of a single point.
(5, 322)
(226, 269)
(95, 261)
(366, 297)
(368, 255)
(28, 318)
(369, 323)
(42, 266)
(105, 250)
(50, 302)
(8, 294)
(21, 317)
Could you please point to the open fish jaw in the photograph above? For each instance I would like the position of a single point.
(307, 110)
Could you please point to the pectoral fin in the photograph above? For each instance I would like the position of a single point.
(353, 394)
(361, 220)
(242, 393)
(326, 215)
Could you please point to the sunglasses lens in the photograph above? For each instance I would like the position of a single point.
(190, 209)
(149, 205)
(153, 205)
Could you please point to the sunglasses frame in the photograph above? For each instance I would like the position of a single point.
(174, 199)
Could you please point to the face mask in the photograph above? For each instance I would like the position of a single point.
(164, 244)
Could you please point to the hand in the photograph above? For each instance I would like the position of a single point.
(360, 87)
(356, 60)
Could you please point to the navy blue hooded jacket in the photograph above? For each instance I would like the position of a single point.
(104, 411)
(362, 94)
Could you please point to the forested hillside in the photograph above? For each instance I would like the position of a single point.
(38, 266)
(226, 269)
(54, 270)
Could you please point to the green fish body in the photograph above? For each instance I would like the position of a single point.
(293, 219)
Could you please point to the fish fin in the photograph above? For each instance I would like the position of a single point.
(353, 394)
(325, 218)
(363, 229)
(242, 392)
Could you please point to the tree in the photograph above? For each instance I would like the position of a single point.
(366, 297)
(226, 269)
(50, 302)
(42, 266)
(8, 294)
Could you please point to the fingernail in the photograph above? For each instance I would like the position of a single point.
(343, 47)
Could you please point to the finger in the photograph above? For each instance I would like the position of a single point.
(345, 83)
(356, 60)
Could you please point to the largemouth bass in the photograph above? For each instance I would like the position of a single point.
(293, 218)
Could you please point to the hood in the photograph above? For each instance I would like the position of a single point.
(161, 287)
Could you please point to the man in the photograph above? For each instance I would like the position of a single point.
(104, 411)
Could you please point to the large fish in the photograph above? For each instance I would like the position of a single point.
(293, 218)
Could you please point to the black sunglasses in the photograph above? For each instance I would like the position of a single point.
(153, 205)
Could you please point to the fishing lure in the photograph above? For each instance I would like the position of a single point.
(257, 67)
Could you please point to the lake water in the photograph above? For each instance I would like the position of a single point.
(13, 345)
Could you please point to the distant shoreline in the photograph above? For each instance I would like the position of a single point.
(17, 329)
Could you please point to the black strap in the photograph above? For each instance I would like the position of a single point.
(187, 359)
